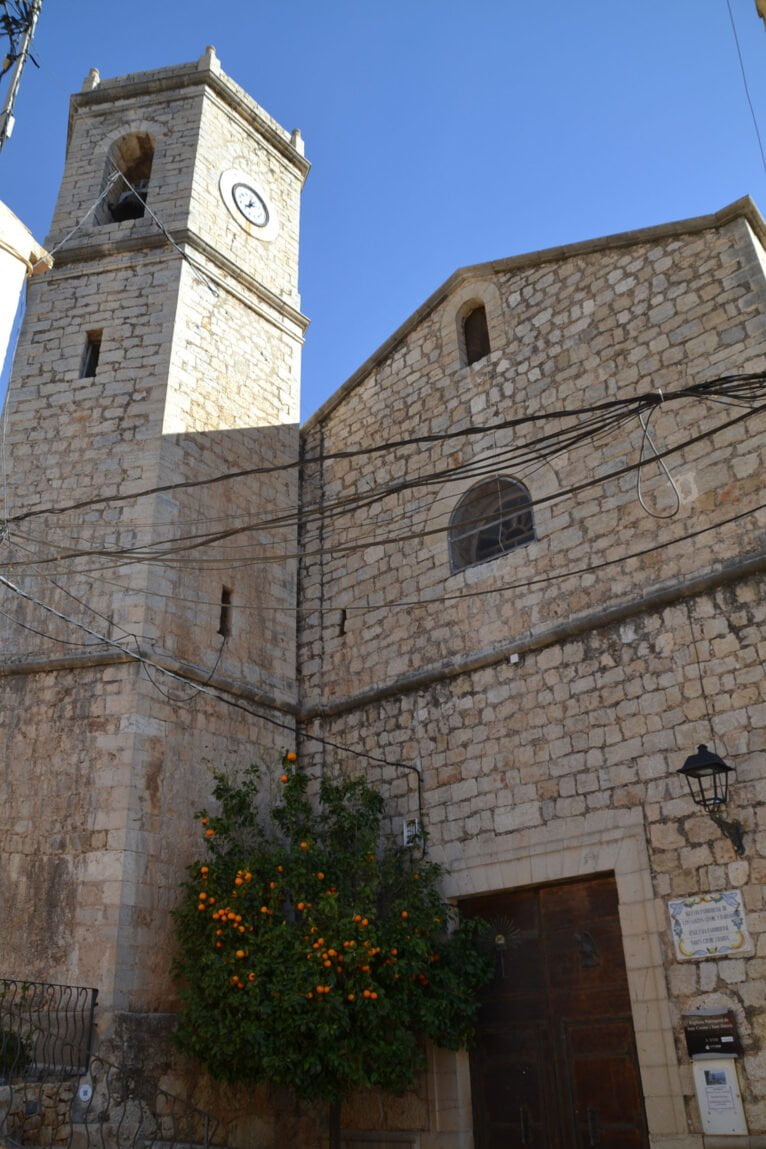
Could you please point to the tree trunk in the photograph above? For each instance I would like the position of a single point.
(334, 1121)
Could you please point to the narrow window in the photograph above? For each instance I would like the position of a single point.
(224, 623)
(492, 518)
(476, 334)
(342, 623)
(91, 354)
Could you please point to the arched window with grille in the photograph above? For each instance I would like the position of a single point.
(494, 517)
(475, 334)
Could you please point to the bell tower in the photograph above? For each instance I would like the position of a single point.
(151, 447)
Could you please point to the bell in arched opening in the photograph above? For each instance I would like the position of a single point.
(131, 203)
(128, 171)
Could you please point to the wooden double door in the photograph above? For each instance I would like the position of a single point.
(555, 1066)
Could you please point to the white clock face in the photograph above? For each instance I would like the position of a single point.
(250, 204)
(247, 203)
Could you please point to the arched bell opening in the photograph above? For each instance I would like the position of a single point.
(127, 175)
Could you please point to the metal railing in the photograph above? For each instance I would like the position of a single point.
(55, 1094)
(117, 1108)
(109, 1107)
(45, 1030)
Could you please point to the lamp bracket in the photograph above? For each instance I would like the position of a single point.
(731, 830)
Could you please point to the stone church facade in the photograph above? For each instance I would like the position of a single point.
(482, 572)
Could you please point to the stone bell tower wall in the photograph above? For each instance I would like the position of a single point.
(110, 581)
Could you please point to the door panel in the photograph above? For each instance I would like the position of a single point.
(555, 1064)
(511, 1071)
(606, 1094)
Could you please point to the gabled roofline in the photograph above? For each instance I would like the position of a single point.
(743, 208)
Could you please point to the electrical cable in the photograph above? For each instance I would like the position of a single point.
(526, 582)
(746, 85)
(474, 469)
(197, 687)
(102, 195)
(196, 271)
(63, 590)
(172, 554)
(519, 459)
(44, 634)
(343, 506)
(480, 592)
(467, 593)
(138, 657)
(729, 386)
(647, 438)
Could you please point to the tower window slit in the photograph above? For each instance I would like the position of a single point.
(91, 354)
(224, 624)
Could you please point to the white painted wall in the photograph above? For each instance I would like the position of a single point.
(20, 255)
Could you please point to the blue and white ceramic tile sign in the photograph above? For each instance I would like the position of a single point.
(709, 926)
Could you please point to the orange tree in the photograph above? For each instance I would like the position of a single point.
(314, 951)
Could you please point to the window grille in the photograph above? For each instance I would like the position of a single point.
(494, 517)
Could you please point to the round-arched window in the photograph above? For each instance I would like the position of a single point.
(492, 518)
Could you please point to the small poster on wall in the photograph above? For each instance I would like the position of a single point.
(709, 925)
(719, 1098)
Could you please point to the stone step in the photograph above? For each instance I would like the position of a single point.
(181, 1145)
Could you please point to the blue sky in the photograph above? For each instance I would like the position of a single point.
(441, 133)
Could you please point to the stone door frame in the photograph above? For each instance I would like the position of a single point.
(545, 857)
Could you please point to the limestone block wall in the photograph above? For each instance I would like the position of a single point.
(235, 132)
(97, 821)
(563, 765)
(123, 543)
(546, 698)
(230, 410)
(72, 439)
(568, 332)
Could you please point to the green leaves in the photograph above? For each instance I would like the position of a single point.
(313, 951)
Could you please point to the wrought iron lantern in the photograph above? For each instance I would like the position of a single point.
(708, 777)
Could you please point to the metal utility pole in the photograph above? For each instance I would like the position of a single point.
(30, 13)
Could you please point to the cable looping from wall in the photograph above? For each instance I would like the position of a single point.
(196, 690)
(647, 438)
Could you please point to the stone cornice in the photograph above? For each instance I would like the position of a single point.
(589, 622)
(192, 76)
(586, 623)
(71, 255)
(102, 656)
